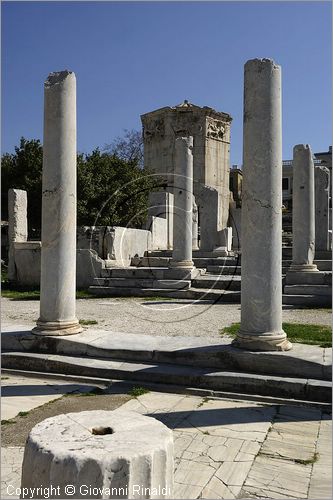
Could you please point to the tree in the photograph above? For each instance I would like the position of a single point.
(23, 170)
(128, 148)
(110, 190)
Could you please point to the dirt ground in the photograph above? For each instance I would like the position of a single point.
(155, 317)
(16, 433)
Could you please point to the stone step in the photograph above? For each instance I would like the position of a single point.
(323, 265)
(309, 278)
(220, 296)
(224, 270)
(202, 378)
(152, 273)
(151, 261)
(197, 255)
(142, 283)
(304, 361)
(325, 290)
(307, 300)
(203, 262)
(134, 272)
(215, 295)
(218, 282)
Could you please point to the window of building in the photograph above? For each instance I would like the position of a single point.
(285, 184)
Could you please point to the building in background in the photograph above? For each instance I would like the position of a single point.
(323, 159)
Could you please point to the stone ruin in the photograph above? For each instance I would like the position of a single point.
(126, 261)
(261, 271)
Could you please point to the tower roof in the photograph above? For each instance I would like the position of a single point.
(187, 106)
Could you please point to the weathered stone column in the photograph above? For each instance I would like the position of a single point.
(183, 200)
(303, 210)
(58, 260)
(261, 297)
(195, 222)
(322, 199)
(17, 225)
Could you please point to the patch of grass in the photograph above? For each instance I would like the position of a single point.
(85, 294)
(230, 330)
(21, 294)
(206, 432)
(204, 400)
(23, 414)
(97, 391)
(138, 391)
(297, 332)
(4, 378)
(86, 322)
(6, 422)
(311, 460)
(4, 275)
(152, 299)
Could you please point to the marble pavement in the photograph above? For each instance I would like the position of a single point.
(232, 449)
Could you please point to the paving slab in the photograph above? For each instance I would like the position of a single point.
(21, 394)
(220, 447)
(11, 464)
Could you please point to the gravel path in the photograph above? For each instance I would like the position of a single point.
(160, 317)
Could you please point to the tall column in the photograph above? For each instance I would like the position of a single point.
(17, 225)
(58, 260)
(261, 296)
(303, 210)
(195, 226)
(322, 200)
(183, 200)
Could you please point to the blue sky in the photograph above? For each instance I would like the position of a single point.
(133, 57)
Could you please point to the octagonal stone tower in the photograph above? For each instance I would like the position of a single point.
(211, 150)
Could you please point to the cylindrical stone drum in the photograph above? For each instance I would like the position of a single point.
(98, 454)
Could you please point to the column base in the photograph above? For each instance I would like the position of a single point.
(57, 328)
(221, 252)
(303, 268)
(262, 342)
(182, 264)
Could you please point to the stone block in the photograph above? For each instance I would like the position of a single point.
(225, 242)
(102, 454)
(27, 256)
(17, 225)
(159, 232)
(308, 278)
(208, 205)
(161, 207)
(88, 267)
(123, 243)
(322, 216)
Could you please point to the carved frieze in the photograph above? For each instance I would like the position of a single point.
(153, 128)
(215, 129)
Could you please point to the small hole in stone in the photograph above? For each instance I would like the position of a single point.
(101, 431)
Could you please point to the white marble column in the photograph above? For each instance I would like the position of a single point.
(303, 210)
(195, 223)
(58, 260)
(322, 200)
(17, 225)
(261, 296)
(183, 202)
